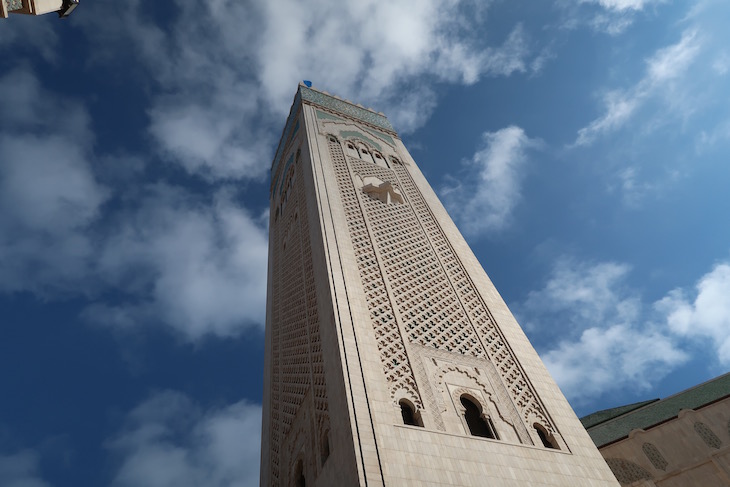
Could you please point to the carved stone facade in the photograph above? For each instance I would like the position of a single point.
(391, 358)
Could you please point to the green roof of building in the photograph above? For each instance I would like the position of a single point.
(614, 424)
(599, 417)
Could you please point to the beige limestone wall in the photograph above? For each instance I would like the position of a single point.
(690, 450)
(392, 454)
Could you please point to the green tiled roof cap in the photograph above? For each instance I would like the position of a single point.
(612, 425)
(345, 107)
(330, 102)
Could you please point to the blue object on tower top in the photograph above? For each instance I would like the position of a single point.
(307, 83)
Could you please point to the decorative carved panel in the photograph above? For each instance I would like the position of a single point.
(627, 472)
(654, 456)
(297, 367)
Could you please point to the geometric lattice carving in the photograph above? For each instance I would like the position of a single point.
(415, 285)
(426, 302)
(654, 456)
(626, 471)
(396, 365)
(707, 435)
(297, 366)
(475, 310)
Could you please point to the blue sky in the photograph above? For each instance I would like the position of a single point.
(580, 145)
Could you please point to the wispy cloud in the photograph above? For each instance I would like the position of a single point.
(584, 294)
(481, 199)
(717, 135)
(664, 66)
(21, 470)
(26, 33)
(170, 440)
(634, 189)
(612, 17)
(622, 5)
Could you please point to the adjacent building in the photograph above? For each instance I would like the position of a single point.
(391, 359)
(37, 7)
(680, 441)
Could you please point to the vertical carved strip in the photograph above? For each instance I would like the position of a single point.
(489, 334)
(297, 362)
(396, 366)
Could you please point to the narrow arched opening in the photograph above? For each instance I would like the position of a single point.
(478, 424)
(365, 154)
(409, 414)
(299, 480)
(325, 449)
(351, 150)
(547, 440)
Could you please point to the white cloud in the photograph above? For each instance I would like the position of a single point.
(373, 46)
(585, 294)
(612, 17)
(620, 106)
(200, 269)
(672, 61)
(621, 5)
(538, 63)
(613, 339)
(170, 441)
(719, 134)
(482, 199)
(609, 345)
(706, 316)
(721, 64)
(229, 69)
(634, 189)
(612, 23)
(666, 65)
(48, 193)
(609, 359)
(21, 32)
(21, 470)
(195, 265)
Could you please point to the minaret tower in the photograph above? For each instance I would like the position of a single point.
(391, 359)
